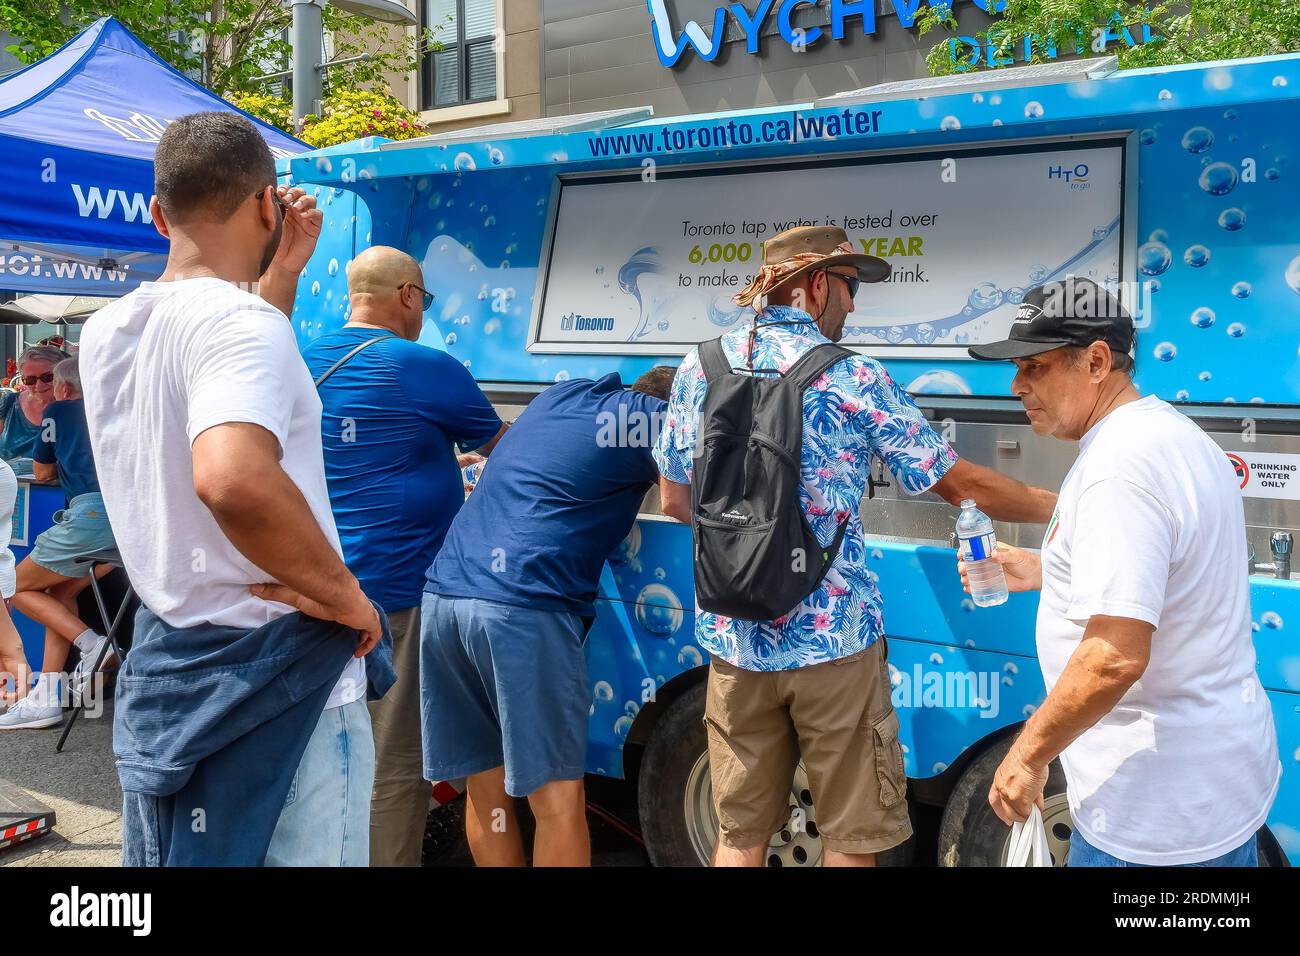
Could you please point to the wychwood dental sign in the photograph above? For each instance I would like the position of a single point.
(671, 42)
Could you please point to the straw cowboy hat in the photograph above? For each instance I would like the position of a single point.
(790, 254)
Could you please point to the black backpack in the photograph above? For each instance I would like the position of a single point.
(756, 558)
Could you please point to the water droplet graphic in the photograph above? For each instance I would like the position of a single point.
(451, 338)
(1293, 275)
(1147, 137)
(950, 122)
(1037, 273)
(1279, 81)
(1164, 96)
(1166, 351)
(1204, 376)
(1272, 620)
(1197, 256)
(562, 376)
(1033, 109)
(496, 156)
(1203, 317)
(1232, 219)
(925, 333)
(1218, 179)
(1230, 114)
(658, 610)
(689, 656)
(333, 268)
(1241, 290)
(603, 692)
(985, 296)
(1198, 139)
(315, 288)
(1236, 330)
(464, 162)
(1153, 258)
(977, 98)
(895, 334)
(1271, 174)
(1182, 395)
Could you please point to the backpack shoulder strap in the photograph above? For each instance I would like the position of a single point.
(714, 360)
(813, 363)
(348, 358)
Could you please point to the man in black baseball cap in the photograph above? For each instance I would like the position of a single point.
(1143, 628)
(1072, 343)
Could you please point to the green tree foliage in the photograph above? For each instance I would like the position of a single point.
(1191, 31)
(230, 46)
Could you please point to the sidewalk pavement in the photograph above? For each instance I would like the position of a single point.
(80, 785)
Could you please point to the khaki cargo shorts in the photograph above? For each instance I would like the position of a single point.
(839, 716)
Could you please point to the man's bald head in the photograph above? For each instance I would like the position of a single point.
(384, 290)
(380, 270)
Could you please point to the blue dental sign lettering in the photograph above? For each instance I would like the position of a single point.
(671, 43)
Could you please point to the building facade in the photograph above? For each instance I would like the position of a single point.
(509, 60)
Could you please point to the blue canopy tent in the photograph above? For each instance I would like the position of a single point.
(77, 136)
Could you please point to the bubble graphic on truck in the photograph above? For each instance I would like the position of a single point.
(1154, 258)
(1293, 275)
(1197, 256)
(659, 610)
(1218, 179)
(1198, 139)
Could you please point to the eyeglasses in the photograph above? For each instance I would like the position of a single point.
(428, 296)
(30, 380)
(853, 282)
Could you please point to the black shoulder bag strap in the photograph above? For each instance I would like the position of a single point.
(714, 360)
(349, 357)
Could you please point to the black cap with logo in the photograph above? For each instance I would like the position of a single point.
(1072, 312)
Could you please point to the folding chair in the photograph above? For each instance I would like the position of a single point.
(93, 560)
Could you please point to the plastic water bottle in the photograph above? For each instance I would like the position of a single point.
(977, 542)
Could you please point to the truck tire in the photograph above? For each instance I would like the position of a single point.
(675, 798)
(971, 833)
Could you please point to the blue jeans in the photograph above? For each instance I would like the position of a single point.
(1083, 853)
(326, 817)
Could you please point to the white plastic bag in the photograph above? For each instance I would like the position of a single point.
(1028, 845)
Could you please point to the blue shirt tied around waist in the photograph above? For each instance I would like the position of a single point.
(210, 725)
(389, 419)
(559, 493)
(66, 442)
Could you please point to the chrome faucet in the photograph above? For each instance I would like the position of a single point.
(1279, 544)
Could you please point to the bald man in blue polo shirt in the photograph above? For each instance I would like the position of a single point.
(393, 415)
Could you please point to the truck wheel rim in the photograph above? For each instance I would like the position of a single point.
(1058, 824)
(796, 844)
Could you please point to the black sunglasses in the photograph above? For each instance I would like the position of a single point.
(853, 282)
(30, 380)
(428, 296)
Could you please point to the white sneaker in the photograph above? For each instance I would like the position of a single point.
(28, 715)
(82, 673)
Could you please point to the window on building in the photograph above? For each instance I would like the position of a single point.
(464, 70)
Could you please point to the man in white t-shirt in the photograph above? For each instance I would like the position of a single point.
(206, 431)
(1144, 632)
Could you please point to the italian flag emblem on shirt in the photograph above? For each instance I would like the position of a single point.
(1052, 529)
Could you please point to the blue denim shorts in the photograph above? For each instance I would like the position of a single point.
(1083, 853)
(502, 685)
(80, 528)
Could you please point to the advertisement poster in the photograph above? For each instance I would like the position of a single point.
(651, 265)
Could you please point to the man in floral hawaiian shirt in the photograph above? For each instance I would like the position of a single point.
(814, 682)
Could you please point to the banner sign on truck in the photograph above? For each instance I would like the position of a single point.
(649, 264)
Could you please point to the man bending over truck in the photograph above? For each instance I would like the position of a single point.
(508, 604)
